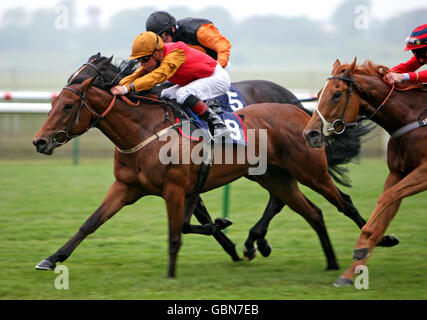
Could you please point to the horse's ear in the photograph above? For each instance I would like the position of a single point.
(336, 65)
(94, 57)
(106, 62)
(353, 66)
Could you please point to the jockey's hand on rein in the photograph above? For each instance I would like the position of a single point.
(118, 90)
(393, 77)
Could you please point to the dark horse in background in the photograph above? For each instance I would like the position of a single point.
(81, 106)
(354, 90)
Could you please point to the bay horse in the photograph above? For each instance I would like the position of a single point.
(81, 106)
(354, 90)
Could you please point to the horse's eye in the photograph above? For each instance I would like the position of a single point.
(68, 106)
(337, 95)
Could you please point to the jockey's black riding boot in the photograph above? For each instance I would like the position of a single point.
(206, 114)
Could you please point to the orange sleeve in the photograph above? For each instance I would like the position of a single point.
(209, 36)
(132, 77)
(167, 69)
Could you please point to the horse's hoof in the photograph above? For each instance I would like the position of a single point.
(46, 265)
(249, 254)
(264, 247)
(343, 282)
(237, 259)
(388, 241)
(360, 254)
(222, 223)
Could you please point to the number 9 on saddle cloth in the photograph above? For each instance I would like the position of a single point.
(224, 106)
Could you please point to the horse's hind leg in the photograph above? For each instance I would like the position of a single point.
(259, 230)
(117, 197)
(286, 188)
(202, 215)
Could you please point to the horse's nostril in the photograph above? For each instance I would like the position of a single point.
(40, 142)
(313, 134)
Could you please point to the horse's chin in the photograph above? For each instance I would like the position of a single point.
(45, 151)
(314, 141)
(314, 144)
(47, 148)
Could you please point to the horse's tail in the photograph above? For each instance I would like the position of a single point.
(342, 148)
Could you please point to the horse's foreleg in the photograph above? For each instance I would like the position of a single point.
(206, 229)
(259, 230)
(175, 204)
(362, 255)
(202, 215)
(388, 203)
(118, 196)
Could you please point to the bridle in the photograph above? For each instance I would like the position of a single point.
(338, 126)
(63, 136)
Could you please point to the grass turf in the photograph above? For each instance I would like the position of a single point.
(44, 202)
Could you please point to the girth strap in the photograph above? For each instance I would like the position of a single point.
(411, 126)
(204, 171)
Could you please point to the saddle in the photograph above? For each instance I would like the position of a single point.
(190, 126)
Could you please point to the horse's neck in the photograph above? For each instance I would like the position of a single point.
(401, 108)
(126, 126)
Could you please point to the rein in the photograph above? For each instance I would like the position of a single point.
(398, 88)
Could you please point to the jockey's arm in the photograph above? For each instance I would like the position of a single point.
(169, 65)
(408, 69)
(132, 77)
(209, 36)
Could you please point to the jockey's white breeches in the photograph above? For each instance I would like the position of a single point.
(204, 88)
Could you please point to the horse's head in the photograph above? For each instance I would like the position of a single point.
(337, 108)
(66, 119)
(71, 115)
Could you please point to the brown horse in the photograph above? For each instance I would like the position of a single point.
(81, 106)
(354, 90)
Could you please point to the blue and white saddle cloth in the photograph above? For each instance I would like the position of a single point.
(228, 103)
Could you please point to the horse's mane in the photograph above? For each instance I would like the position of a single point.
(368, 68)
(109, 70)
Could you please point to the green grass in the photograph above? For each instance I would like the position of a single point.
(44, 202)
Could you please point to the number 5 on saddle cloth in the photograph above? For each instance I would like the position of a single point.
(224, 106)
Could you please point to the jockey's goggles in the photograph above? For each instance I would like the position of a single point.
(145, 59)
(415, 41)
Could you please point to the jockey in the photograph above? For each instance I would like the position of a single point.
(199, 34)
(417, 42)
(196, 75)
